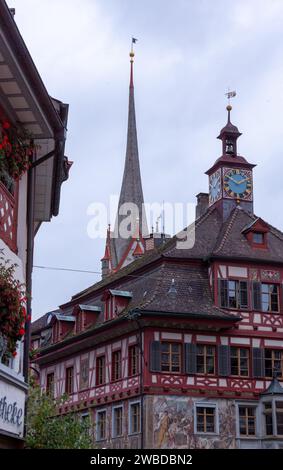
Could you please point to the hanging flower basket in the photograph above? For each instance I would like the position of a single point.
(16, 150)
(12, 308)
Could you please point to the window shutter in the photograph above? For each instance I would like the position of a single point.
(258, 362)
(223, 293)
(190, 358)
(155, 356)
(256, 295)
(224, 363)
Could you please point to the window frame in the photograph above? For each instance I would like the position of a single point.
(131, 404)
(270, 294)
(97, 437)
(206, 405)
(273, 414)
(170, 354)
(205, 356)
(114, 408)
(117, 363)
(130, 359)
(52, 390)
(225, 289)
(256, 420)
(67, 380)
(239, 348)
(273, 350)
(98, 370)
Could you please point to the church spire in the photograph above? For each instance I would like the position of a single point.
(131, 191)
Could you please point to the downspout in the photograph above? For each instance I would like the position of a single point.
(29, 264)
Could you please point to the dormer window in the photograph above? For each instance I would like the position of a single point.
(115, 301)
(61, 326)
(256, 233)
(86, 316)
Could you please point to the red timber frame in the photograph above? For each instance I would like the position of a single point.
(9, 216)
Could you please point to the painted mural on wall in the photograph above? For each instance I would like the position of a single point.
(173, 424)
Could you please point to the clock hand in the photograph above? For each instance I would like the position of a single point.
(242, 181)
(232, 179)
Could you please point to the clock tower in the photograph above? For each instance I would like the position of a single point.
(231, 176)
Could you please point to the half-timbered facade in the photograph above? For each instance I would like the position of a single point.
(183, 347)
(26, 201)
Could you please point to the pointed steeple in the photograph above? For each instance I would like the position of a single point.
(131, 190)
(120, 247)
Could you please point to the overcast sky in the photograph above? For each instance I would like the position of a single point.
(189, 52)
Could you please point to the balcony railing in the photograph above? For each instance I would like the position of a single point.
(8, 217)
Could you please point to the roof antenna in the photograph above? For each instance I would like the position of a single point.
(157, 223)
(163, 220)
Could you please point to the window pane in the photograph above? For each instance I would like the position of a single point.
(258, 238)
(165, 347)
(268, 424)
(210, 365)
(279, 420)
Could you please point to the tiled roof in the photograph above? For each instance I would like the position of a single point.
(233, 243)
(149, 278)
(41, 322)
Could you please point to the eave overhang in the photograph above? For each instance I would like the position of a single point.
(25, 101)
(128, 323)
(240, 259)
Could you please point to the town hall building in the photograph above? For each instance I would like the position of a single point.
(177, 348)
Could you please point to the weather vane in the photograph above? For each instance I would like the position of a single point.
(134, 40)
(230, 94)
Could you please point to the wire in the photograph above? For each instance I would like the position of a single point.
(52, 268)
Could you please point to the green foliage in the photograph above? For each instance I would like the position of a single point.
(48, 430)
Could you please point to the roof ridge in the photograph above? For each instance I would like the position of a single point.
(228, 229)
(194, 225)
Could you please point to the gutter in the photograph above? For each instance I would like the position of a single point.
(29, 264)
(239, 259)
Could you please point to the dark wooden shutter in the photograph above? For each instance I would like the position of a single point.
(224, 362)
(223, 293)
(258, 362)
(155, 356)
(256, 295)
(190, 358)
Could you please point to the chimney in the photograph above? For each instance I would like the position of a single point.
(154, 240)
(202, 204)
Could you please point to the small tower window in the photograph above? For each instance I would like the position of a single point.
(258, 238)
(229, 147)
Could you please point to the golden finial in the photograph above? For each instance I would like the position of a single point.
(229, 107)
(132, 54)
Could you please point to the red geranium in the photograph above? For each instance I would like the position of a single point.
(12, 310)
(16, 150)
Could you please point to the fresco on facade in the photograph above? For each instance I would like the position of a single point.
(173, 425)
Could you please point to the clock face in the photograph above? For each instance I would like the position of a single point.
(215, 187)
(237, 183)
